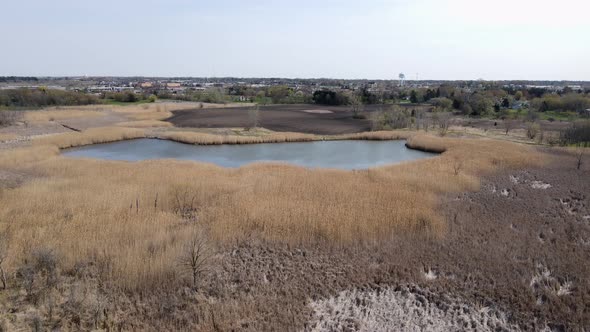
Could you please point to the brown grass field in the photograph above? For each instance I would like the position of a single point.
(83, 208)
(93, 244)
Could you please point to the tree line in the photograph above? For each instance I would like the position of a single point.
(41, 97)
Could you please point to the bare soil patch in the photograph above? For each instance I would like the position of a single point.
(322, 120)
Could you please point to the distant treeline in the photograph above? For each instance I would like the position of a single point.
(128, 97)
(15, 98)
(6, 79)
(42, 97)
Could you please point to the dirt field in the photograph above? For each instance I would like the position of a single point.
(291, 118)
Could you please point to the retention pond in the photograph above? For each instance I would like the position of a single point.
(347, 154)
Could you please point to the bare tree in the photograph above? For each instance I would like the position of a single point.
(509, 124)
(444, 122)
(196, 256)
(184, 203)
(457, 166)
(579, 156)
(8, 118)
(533, 130)
(253, 117)
(4, 246)
(356, 106)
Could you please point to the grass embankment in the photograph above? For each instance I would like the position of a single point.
(133, 219)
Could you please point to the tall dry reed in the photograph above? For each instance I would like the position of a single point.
(124, 214)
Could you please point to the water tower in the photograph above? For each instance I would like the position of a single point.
(402, 79)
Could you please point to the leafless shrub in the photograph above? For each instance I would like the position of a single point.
(541, 136)
(532, 130)
(36, 322)
(195, 257)
(509, 124)
(444, 122)
(457, 166)
(4, 246)
(184, 203)
(577, 133)
(253, 114)
(356, 106)
(395, 118)
(579, 157)
(42, 264)
(45, 263)
(8, 118)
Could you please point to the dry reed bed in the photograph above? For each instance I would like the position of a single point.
(111, 134)
(120, 214)
(141, 112)
(145, 124)
(53, 114)
(90, 136)
(4, 137)
(275, 137)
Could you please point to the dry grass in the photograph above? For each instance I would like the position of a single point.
(18, 158)
(61, 114)
(140, 112)
(90, 136)
(145, 124)
(212, 139)
(7, 137)
(122, 214)
(199, 138)
(155, 111)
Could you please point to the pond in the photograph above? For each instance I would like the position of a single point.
(348, 154)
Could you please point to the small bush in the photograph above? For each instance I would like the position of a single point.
(8, 118)
(577, 134)
(533, 130)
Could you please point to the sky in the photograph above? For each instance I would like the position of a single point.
(373, 39)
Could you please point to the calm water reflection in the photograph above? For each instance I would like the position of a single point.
(327, 154)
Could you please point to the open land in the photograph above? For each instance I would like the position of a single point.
(490, 235)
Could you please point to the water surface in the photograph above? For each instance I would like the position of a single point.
(348, 154)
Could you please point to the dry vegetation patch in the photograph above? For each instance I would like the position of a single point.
(403, 309)
(54, 114)
(145, 124)
(133, 224)
(7, 137)
(128, 213)
(90, 136)
(153, 111)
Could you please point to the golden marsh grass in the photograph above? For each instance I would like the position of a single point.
(145, 124)
(61, 114)
(122, 213)
(90, 136)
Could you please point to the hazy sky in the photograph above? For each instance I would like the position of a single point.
(436, 39)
